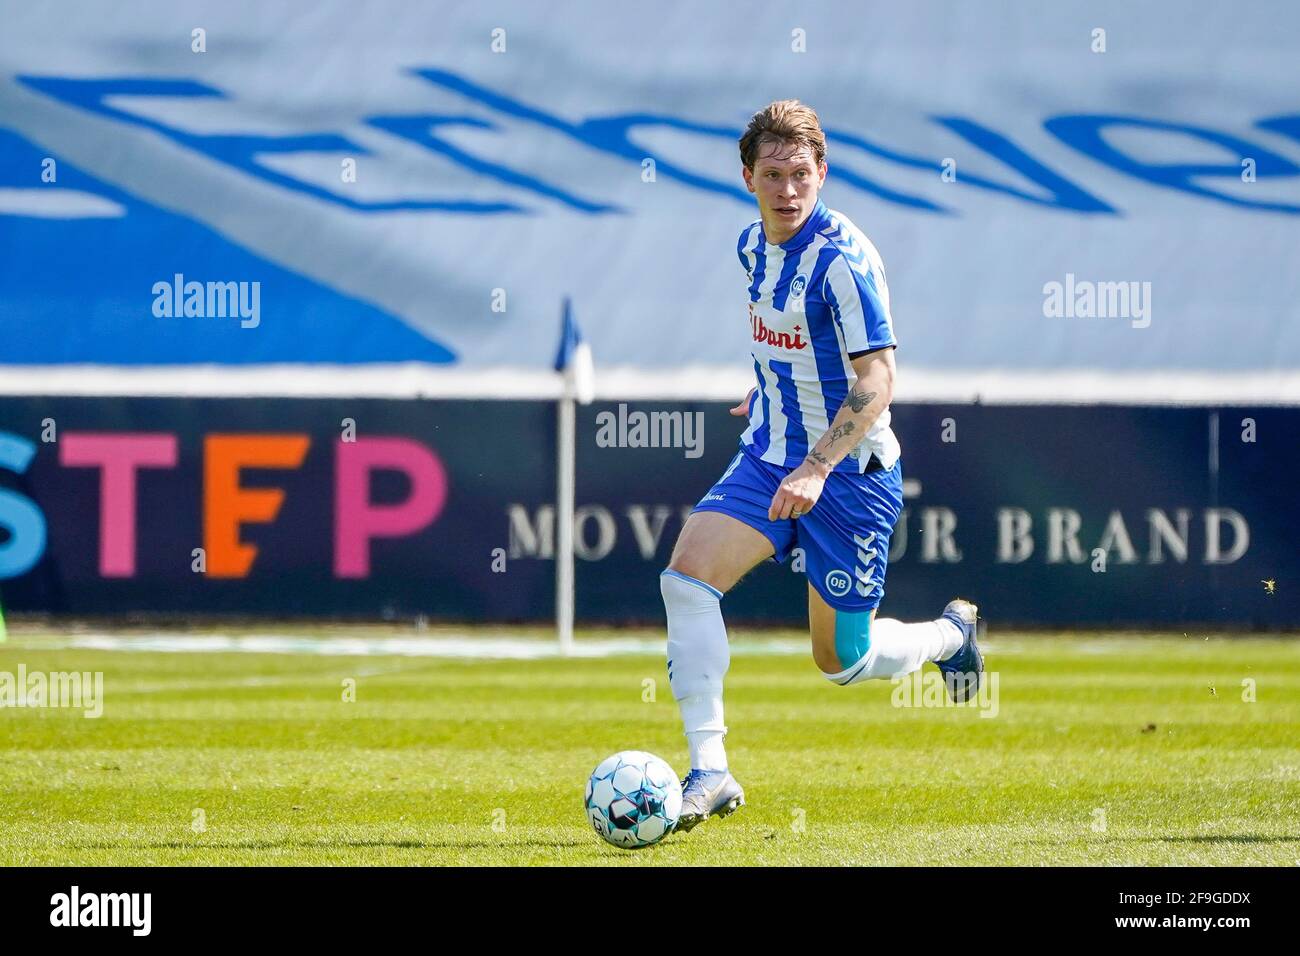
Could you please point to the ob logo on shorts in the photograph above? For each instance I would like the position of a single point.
(838, 582)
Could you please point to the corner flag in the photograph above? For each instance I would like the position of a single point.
(574, 359)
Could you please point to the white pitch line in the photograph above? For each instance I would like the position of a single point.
(268, 680)
(463, 647)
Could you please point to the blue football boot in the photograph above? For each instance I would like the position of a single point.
(963, 671)
(708, 793)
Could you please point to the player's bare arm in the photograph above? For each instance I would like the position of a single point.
(868, 397)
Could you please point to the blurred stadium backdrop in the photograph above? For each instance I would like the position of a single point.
(1092, 257)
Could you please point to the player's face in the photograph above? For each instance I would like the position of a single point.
(786, 182)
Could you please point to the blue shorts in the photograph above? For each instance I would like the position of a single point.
(845, 537)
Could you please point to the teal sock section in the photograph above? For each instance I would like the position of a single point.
(852, 636)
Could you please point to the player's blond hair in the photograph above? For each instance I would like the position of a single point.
(783, 121)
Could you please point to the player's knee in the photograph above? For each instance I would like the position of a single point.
(828, 665)
(687, 565)
(823, 645)
(844, 654)
(696, 567)
(870, 667)
(680, 589)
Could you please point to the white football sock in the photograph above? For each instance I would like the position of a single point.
(898, 649)
(705, 713)
(698, 658)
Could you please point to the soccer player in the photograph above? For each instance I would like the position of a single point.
(818, 465)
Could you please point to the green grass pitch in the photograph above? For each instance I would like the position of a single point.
(1104, 750)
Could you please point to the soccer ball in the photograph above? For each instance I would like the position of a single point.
(633, 799)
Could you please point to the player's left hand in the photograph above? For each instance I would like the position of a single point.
(797, 494)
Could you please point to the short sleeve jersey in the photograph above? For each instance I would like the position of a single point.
(815, 301)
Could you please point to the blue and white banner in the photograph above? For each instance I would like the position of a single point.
(1095, 202)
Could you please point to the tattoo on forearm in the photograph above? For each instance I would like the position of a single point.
(839, 431)
(856, 401)
(859, 400)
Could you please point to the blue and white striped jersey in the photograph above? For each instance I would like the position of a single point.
(814, 300)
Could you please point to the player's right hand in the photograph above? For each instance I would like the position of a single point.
(743, 408)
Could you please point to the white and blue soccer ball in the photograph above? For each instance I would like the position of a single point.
(633, 799)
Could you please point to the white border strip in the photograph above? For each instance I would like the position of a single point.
(691, 383)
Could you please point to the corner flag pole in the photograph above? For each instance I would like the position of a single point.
(564, 528)
(574, 362)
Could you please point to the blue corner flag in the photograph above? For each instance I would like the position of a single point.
(574, 358)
